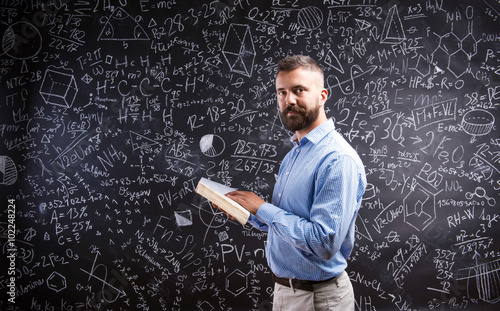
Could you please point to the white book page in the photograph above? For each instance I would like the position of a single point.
(222, 189)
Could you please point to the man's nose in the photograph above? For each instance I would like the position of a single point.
(291, 99)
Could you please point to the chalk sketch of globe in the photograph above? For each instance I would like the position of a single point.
(310, 17)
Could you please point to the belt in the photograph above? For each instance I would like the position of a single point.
(299, 284)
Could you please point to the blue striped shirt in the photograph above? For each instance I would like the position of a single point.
(317, 195)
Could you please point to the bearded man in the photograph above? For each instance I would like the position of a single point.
(317, 195)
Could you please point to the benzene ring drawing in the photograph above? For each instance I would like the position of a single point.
(56, 282)
(419, 207)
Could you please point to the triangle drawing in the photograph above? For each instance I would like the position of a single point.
(139, 141)
(393, 31)
(332, 60)
(121, 26)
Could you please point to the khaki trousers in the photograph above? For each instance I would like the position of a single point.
(335, 295)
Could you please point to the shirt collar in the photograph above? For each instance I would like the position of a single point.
(316, 134)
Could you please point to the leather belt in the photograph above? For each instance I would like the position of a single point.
(299, 284)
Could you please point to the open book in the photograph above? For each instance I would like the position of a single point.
(215, 192)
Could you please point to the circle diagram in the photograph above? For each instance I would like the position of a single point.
(212, 145)
(21, 40)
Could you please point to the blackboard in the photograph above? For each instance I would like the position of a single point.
(112, 110)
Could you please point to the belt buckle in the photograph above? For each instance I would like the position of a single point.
(294, 284)
(303, 286)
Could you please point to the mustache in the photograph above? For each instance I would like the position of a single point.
(293, 108)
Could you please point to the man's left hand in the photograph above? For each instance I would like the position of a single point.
(247, 199)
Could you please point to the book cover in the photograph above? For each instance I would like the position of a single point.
(215, 192)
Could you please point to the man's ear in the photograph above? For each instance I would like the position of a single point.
(324, 96)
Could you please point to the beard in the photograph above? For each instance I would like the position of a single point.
(302, 120)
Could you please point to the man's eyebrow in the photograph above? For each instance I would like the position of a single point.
(299, 86)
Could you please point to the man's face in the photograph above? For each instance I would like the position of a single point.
(300, 98)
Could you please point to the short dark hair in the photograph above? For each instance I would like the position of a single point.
(293, 62)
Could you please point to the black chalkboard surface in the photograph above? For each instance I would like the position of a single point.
(112, 110)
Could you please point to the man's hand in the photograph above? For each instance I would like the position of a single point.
(247, 199)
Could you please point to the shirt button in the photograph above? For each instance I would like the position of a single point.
(279, 195)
